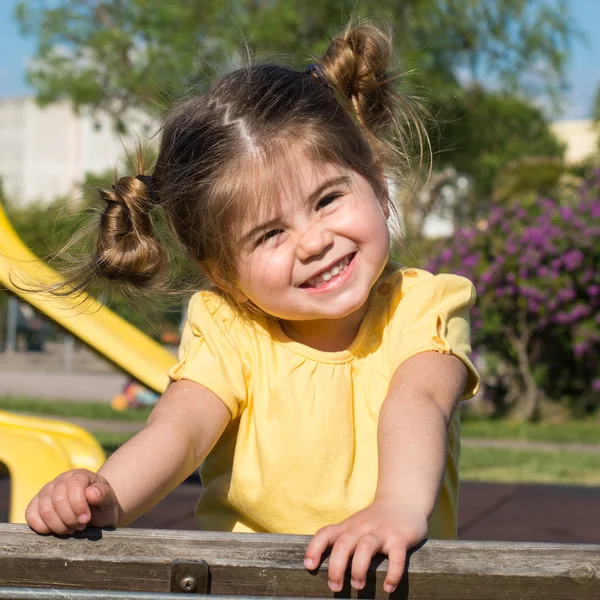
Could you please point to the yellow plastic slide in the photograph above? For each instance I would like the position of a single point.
(113, 337)
(36, 450)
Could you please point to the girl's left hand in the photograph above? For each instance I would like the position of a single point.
(388, 526)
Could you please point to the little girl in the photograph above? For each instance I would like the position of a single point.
(317, 383)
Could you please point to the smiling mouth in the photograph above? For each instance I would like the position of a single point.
(324, 277)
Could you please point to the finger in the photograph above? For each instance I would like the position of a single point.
(324, 538)
(62, 506)
(33, 519)
(366, 548)
(50, 517)
(396, 562)
(103, 505)
(342, 549)
(76, 487)
(99, 494)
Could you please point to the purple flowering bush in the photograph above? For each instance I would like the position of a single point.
(536, 323)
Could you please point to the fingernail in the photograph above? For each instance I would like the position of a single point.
(334, 587)
(357, 585)
(83, 518)
(388, 587)
(308, 563)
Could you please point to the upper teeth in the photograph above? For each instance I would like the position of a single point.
(327, 275)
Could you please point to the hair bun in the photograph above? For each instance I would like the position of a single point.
(126, 247)
(356, 65)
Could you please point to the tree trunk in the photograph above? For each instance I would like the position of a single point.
(527, 405)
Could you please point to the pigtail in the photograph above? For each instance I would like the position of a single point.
(126, 248)
(356, 66)
(359, 66)
(121, 247)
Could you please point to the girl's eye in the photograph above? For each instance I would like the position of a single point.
(267, 236)
(327, 200)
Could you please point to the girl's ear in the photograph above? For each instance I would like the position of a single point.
(385, 203)
(385, 207)
(215, 274)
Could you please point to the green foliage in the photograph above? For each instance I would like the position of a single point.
(596, 108)
(480, 133)
(115, 54)
(537, 318)
(45, 228)
(63, 231)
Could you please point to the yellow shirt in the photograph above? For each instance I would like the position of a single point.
(301, 449)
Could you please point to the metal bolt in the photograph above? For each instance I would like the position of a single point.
(188, 583)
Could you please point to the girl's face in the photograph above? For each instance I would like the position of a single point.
(319, 252)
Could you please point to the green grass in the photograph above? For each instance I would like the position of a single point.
(487, 464)
(64, 408)
(581, 432)
(571, 431)
(528, 466)
(477, 463)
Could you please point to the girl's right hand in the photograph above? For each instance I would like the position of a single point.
(71, 502)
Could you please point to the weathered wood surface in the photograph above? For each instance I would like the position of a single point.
(272, 565)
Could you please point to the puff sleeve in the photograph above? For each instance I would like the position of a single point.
(211, 352)
(431, 313)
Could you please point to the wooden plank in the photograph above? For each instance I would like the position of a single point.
(272, 565)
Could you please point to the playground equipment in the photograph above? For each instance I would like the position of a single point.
(36, 450)
(144, 563)
(98, 327)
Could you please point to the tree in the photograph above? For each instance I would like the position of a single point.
(115, 54)
(481, 132)
(536, 321)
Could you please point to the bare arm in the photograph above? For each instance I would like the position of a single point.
(413, 428)
(181, 430)
(412, 440)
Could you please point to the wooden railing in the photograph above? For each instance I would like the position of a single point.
(139, 564)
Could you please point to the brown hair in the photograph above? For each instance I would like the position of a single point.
(220, 149)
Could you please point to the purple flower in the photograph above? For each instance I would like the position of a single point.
(566, 294)
(566, 213)
(471, 260)
(496, 215)
(543, 272)
(573, 259)
(562, 318)
(446, 255)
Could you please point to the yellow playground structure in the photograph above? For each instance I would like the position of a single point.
(36, 450)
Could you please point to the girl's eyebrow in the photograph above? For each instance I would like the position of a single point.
(311, 198)
(260, 229)
(340, 180)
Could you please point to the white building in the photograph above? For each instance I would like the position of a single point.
(580, 136)
(46, 152)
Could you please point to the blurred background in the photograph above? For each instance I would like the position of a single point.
(511, 90)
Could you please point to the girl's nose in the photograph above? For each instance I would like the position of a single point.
(313, 242)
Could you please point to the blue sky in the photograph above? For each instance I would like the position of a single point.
(583, 71)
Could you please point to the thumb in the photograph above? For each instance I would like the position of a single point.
(99, 494)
